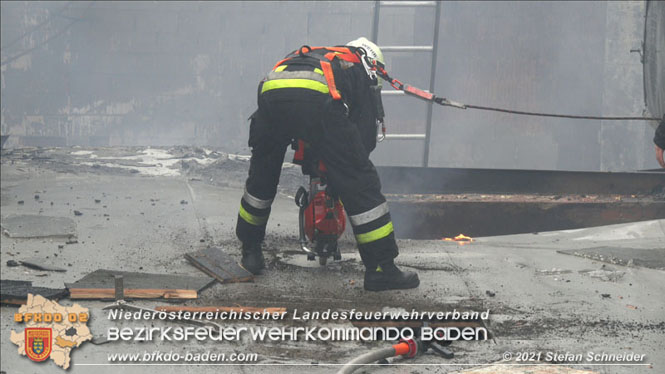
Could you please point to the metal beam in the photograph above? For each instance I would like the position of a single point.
(375, 22)
(432, 79)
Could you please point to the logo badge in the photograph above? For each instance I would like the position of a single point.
(38, 343)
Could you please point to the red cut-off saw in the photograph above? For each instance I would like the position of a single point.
(321, 219)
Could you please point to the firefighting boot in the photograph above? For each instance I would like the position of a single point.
(387, 276)
(252, 258)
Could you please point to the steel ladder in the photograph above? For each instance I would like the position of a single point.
(432, 49)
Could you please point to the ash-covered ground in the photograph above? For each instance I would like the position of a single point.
(142, 209)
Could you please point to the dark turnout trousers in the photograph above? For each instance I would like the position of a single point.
(287, 114)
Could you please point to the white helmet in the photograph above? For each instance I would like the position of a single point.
(373, 51)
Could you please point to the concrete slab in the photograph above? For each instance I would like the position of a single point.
(36, 226)
(653, 258)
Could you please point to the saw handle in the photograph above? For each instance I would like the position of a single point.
(301, 199)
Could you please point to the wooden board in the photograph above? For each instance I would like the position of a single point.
(16, 292)
(219, 265)
(103, 293)
(100, 284)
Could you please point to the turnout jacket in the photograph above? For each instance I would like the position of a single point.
(360, 95)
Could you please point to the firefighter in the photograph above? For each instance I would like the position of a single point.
(328, 97)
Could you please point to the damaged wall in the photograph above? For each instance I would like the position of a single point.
(144, 73)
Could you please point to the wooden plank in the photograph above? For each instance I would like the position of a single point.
(102, 293)
(100, 284)
(219, 265)
(206, 309)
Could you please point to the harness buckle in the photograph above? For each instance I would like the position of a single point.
(368, 64)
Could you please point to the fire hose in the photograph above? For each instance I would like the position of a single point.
(399, 349)
(428, 96)
(407, 348)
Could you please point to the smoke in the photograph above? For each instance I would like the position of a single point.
(184, 73)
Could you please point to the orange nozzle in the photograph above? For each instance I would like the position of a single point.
(401, 348)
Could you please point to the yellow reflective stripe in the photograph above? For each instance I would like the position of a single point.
(294, 83)
(252, 219)
(282, 67)
(375, 235)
